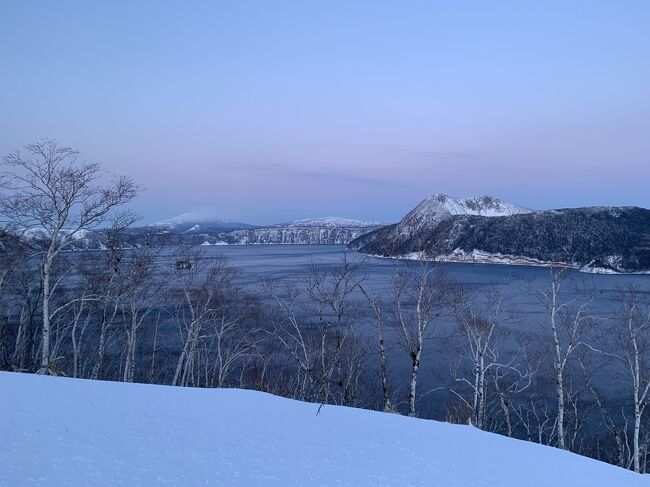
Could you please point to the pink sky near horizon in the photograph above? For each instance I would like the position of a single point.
(273, 112)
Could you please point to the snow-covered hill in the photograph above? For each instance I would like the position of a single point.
(430, 213)
(489, 230)
(440, 206)
(69, 432)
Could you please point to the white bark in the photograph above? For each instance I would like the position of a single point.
(632, 331)
(568, 322)
(383, 371)
(49, 191)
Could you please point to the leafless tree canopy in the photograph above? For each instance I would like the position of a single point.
(46, 189)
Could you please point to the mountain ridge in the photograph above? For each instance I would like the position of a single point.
(593, 239)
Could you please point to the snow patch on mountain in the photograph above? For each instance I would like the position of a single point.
(193, 228)
(433, 210)
(211, 244)
(480, 257)
(440, 206)
(42, 233)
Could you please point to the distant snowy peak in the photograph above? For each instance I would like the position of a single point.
(193, 217)
(197, 220)
(331, 222)
(440, 206)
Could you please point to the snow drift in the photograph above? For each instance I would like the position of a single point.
(58, 431)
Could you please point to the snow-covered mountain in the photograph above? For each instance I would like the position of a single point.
(489, 230)
(205, 228)
(200, 219)
(430, 212)
(320, 231)
(440, 206)
(110, 433)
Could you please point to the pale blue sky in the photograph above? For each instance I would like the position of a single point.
(271, 111)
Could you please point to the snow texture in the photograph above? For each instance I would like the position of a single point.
(70, 432)
(475, 205)
(436, 208)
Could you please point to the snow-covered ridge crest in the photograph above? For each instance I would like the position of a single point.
(330, 221)
(198, 215)
(475, 205)
(439, 207)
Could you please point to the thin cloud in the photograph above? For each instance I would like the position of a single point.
(281, 169)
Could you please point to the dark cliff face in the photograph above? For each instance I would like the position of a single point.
(277, 234)
(295, 235)
(612, 238)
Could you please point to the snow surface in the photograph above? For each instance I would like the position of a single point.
(441, 204)
(71, 432)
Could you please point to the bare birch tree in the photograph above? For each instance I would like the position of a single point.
(205, 290)
(631, 331)
(377, 308)
(139, 299)
(568, 323)
(47, 190)
(330, 292)
(478, 320)
(420, 295)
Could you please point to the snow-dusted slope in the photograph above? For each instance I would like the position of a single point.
(440, 206)
(432, 211)
(489, 230)
(67, 432)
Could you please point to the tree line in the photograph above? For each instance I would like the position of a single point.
(422, 345)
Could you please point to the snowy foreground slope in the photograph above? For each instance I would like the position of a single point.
(57, 432)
